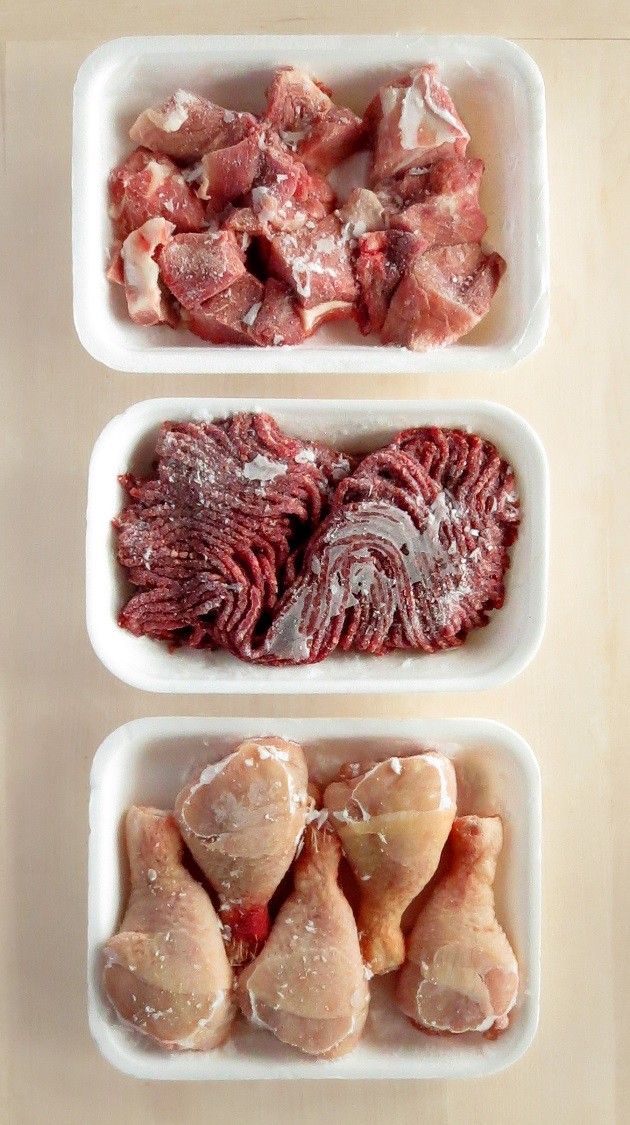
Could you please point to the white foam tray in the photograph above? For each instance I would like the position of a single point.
(148, 760)
(489, 657)
(497, 88)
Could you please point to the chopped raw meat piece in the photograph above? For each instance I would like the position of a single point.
(313, 317)
(278, 321)
(446, 210)
(416, 123)
(411, 556)
(333, 137)
(116, 269)
(186, 125)
(382, 258)
(443, 295)
(294, 100)
(230, 172)
(196, 267)
(316, 263)
(230, 317)
(362, 212)
(146, 186)
(316, 195)
(145, 299)
(209, 539)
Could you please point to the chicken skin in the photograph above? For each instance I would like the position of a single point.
(166, 972)
(461, 973)
(242, 818)
(393, 818)
(308, 986)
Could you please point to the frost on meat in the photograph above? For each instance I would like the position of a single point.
(308, 120)
(443, 203)
(145, 300)
(415, 123)
(278, 321)
(146, 186)
(442, 296)
(230, 317)
(228, 173)
(186, 125)
(314, 262)
(196, 267)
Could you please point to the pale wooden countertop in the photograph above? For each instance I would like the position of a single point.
(58, 701)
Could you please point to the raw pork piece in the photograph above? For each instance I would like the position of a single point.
(242, 819)
(278, 321)
(165, 972)
(186, 126)
(443, 204)
(415, 123)
(145, 186)
(145, 300)
(444, 293)
(461, 974)
(362, 212)
(382, 258)
(308, 986)
(411, 556)
(314, 262)
(393, 819)
(214, 536)
(196, 267)
(228, 173)
(304, 115)
(229, 318)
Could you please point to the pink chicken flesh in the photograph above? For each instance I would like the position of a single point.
(461, 973)
(166, 972)
(393, 818)
(242, 818)
(308, 986)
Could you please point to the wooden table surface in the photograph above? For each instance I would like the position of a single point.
(571, 704)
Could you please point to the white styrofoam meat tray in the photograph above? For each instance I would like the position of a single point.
(491, 655)
(499, 92)
(147, 762)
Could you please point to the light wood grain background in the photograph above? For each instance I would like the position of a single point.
(57, 702)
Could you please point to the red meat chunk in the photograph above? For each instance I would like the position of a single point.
(145, 299)
(229, 318)
(314, 262)
(446, 210)
(443, 295)
(362, 212)
(278, 321)
(196, 267)
(382, 258)
(333, 137)
(228, 173)
(294, 100)
(186, 126)
(415, 122)
(145, 186)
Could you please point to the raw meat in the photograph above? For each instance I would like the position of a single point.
(214, 537)
(185, 126)
(145, 300)
(279, 321)
(415, 123)
(461, 974)
(362, 212)
(196, 267)
(333, 137)
(443, 205)
(230, 317)
(382, 258)
(165, 972)
(412, 555)
(308, 986)
(228, 173)
(393, 818)
(147, 185)
(315, 263)
(242, 819)
(294, 101)
(444, 293)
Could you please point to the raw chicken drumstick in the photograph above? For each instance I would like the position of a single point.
(308, 986)
(461, 973)
(393, 818)
(242, 818)
(166, 972)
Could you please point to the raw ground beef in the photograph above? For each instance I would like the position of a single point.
(282, 551)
